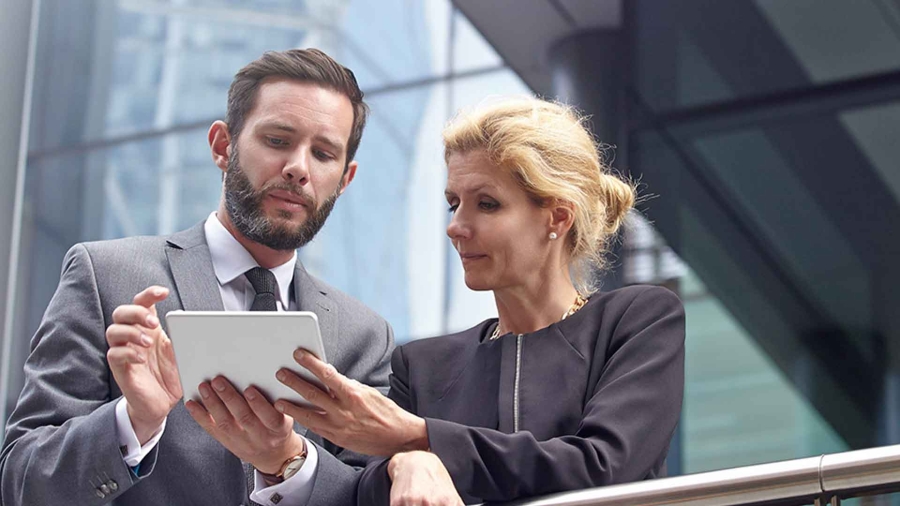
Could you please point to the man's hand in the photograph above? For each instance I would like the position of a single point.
(142, 361)
(420, 479)
(351, 415)
(247, 425)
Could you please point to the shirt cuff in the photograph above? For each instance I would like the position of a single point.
(132, 451)
(295, 490)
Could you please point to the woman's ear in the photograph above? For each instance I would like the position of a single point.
(562, 217)
(220, 144)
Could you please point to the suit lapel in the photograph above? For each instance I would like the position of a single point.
(310, 297)
(192, 270)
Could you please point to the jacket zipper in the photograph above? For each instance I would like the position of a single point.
(516, 385)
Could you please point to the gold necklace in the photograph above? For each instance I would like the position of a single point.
(578, 304)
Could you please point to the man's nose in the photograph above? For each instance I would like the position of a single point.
(296, 169)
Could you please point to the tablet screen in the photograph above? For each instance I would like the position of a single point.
(245, 347)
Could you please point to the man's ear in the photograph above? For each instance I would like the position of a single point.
(349, 174)
(220, 144)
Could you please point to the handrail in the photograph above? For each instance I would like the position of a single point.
(800, 481)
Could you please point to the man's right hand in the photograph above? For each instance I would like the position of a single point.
(143, 363)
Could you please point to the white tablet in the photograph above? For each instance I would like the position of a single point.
(245, 347)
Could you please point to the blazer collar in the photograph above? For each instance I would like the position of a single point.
(192, 270)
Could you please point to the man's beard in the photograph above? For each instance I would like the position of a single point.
(244, 206)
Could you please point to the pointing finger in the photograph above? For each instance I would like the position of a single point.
(150, 296)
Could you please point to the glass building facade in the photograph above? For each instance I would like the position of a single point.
(775, 175)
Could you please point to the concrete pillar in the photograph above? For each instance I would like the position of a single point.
(589, 71)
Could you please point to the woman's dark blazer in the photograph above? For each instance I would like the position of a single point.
(599, 395)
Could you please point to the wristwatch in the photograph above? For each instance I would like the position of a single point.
(290, 467)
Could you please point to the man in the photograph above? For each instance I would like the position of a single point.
(100, 418)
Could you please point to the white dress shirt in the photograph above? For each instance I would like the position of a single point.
(230, 261)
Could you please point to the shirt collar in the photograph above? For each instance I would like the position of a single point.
(231, 260)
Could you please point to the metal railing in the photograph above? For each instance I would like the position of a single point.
(816, 480)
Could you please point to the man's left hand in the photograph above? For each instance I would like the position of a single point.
(247, 425)
(350, 414)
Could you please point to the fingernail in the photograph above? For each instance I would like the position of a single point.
(204, 391)
(157, 292)
(152, 321)
(218, 384)
(250, 394)
(299, 354)
(281, 375)
(145, 340)
(280, 408)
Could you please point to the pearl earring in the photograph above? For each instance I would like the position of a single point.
(553, 235)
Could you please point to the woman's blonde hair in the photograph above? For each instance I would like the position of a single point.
(551, 153)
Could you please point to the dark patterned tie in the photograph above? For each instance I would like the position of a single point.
(266, 287)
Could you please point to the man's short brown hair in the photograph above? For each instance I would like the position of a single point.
(309, 65)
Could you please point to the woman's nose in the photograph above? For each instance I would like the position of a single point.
(458, 228)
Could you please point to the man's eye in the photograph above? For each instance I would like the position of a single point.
(276, 142)
(322, 155)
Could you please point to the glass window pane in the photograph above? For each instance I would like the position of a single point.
(738, 408)
(696, 52)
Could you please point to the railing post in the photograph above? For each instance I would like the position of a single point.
(831, 500)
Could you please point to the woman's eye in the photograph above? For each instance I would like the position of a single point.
(453, 208)
(488, 206)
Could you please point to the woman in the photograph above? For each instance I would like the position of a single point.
(569, 388)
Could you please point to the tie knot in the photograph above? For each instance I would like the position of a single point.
(262, 280)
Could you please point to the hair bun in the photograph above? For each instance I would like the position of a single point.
(617, 199)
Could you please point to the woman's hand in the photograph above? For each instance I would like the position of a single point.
(350, 414)
(420, 479)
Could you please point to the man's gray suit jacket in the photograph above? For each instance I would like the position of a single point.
(61, 442)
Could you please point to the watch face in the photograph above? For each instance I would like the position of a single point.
(294, 466)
